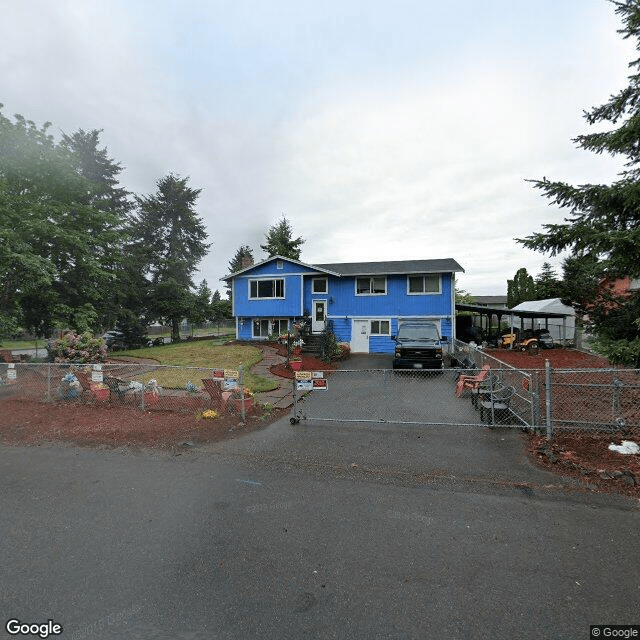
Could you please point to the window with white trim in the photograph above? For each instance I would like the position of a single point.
(371, 286)
(380, 328)
(266, 288)
(423, 284)
(319, 285)
(263, 328)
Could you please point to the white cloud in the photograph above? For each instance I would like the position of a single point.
(380, 133)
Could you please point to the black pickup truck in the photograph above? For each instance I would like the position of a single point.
(418, 346)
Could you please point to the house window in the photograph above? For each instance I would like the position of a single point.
(266, 288)
(428, 283)
(280, 326)
(279, 264)
(263, 328)
(260, 328)
(319, 285)
(369, 286)
(380, 328)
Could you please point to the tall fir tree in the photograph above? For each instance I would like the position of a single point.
(603, 220)
(170, 240)
(242, 257)
(279, 241)
(548, 284)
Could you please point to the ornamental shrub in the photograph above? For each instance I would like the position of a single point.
(83, 349)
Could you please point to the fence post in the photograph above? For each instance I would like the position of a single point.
(385, 394)
(49, 383)
(241, 383)
(535, 399)
(548, 398)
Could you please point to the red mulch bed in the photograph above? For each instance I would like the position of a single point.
(559, 358)
(31, 422)
(582, 455)
(586, 458)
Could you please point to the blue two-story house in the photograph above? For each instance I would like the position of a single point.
(362, 300)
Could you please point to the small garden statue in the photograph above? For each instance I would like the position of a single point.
(69, 388)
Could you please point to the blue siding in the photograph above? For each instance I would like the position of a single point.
(342, 329)
(343, 300)
(343, 304)
(290, 306)
(381, 344)
(244, 330)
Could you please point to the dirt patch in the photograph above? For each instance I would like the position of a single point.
(30, 422)
(586, 457)
(559, 358)
(583, 455)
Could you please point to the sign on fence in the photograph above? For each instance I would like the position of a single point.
(310, 381)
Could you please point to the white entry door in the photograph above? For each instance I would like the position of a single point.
(360, 336)
(319, 317)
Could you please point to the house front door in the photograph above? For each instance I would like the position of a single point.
(318, 321)
(360, 336)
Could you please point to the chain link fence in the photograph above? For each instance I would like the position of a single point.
(476, 389)
(414, 397)
(600, 399)
(148, 387)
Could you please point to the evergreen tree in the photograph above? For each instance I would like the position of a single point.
(604, 220)
(280, 241)
(520, 289)
(547, 283)
(202, 304)
(243, 256)
(169, 241)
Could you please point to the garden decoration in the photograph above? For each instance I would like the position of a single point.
(191, 388)
(152, 392)
(69, 388)
(240, 395)
(100, 391)
(295, 362)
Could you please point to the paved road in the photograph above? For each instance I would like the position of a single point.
(313, 531)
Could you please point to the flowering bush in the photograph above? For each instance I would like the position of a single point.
(77, 348)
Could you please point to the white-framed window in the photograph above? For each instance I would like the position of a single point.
(380, 328)
(279, 326)
(279, 264)
(371, 285)
(266, 288)
(424, 284)
(264, 327)
(319, 285)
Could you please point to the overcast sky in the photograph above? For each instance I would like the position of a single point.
(382, 129)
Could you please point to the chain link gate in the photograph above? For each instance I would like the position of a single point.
(417, 397)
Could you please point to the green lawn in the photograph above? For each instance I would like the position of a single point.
(24, 344)
(206, 354)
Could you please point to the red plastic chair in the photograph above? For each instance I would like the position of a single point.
(472, 382)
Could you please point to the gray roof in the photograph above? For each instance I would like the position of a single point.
(490, 299)
(392, 267)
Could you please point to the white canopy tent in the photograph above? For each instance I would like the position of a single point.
(562, 329)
